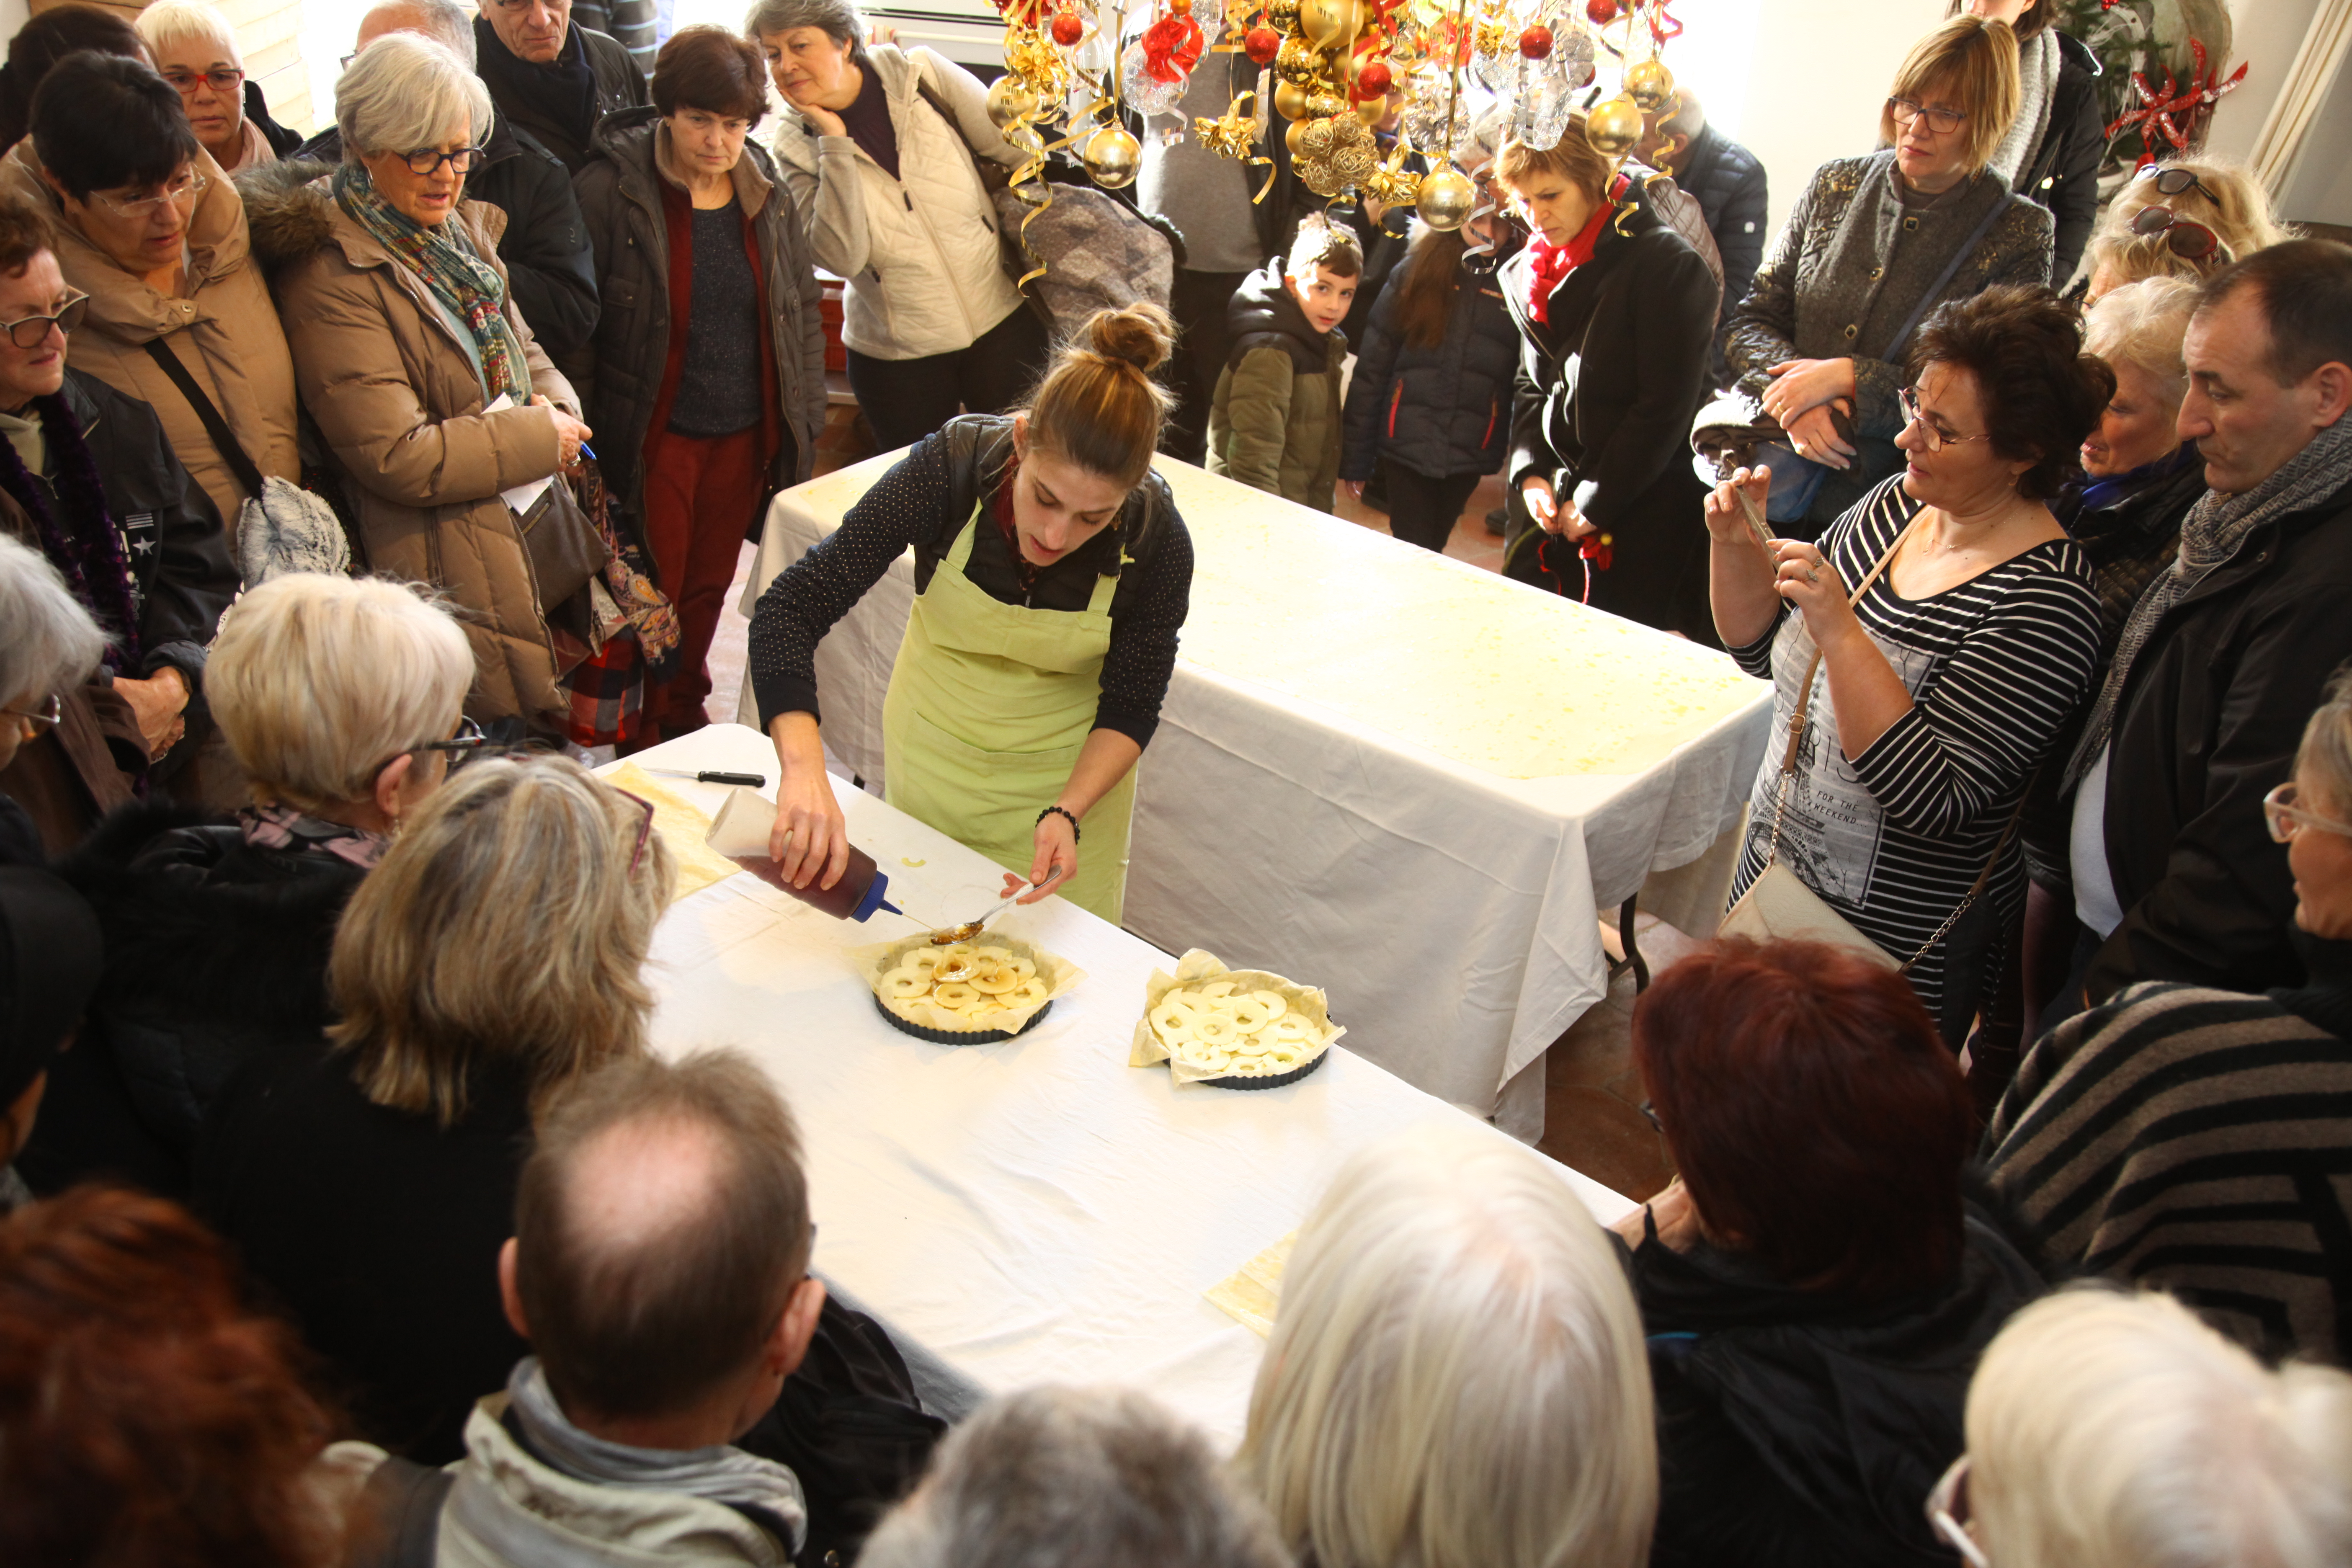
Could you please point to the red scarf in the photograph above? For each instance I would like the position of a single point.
(1552, 264)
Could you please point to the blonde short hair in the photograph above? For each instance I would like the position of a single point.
(2143, 324)
(169, 24)
(505, 921)
(2226, 199)
(1456, 1377)
(317, 681)
(1972, 64)
(2114, 1431)
(1573, 158)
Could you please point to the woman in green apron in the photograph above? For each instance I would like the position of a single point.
(1052, 575)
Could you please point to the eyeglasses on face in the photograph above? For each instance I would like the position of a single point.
(2172, 182)
(47, 716)
(2286, 818)
(32, 331)
(425, 160)
(468, 737)
(1948, 1514)
(1941, 120)
(187, 81)
(187, 187)
(1936, 440)
(2189, 241)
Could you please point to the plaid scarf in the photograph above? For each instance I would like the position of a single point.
(84, 545)
(2217, 527)
(467, 287)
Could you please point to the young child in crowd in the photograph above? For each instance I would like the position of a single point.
(1274, 423)
(1432, 395)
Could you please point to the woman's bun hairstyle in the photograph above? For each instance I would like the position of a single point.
(1099, 406)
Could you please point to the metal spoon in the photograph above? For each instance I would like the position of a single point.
(947, 936)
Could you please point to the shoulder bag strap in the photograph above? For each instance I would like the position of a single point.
(1805, 693)
(226, 443)
(1978, 887)
(1943, 280)
(990, 173)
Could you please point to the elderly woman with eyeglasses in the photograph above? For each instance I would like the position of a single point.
(2194, 1140)
(433, 398)
(2118, 1431)
(490, 960)
(340, 699)
(196, 50)
(180, 317)
(2185, 220)
(1871, 246)
(1927, 652)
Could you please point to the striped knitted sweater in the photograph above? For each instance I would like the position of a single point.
(2199, 1142)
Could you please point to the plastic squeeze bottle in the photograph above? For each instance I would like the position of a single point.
(739, 832)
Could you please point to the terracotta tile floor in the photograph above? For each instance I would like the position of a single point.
(1590, 1097)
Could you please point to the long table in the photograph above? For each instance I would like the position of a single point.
(1388, 772)
(1029, 1211)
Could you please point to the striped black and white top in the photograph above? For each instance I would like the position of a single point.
(1893, 838)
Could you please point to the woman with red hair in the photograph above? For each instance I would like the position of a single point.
(1814, 1287)
(147, 1420)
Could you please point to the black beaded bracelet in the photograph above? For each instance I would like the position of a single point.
(1064, 811)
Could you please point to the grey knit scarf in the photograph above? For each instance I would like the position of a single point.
(2217, 527)
(721, 1473)
(2037, 83)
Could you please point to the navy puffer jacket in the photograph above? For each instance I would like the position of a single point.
(1440, 411)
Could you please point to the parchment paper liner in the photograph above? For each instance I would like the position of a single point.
(1198, 966)
(874, 962)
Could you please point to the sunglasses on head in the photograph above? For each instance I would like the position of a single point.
(2189, 241)
(2172, 182)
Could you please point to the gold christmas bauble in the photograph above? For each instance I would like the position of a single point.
(1112, 156)
(1372, 110)
(1009, 100)
(1331, 23)
(1325, 105)
(1298, 62)
(1315, 139)
(1649, 84)
(1444, 199)
(1614, 127)
(1289, 100)
(1318, 176)
(1290, 137)
(1282, 16)
(1354, 165)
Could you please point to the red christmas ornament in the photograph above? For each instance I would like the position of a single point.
(1600, 12)
(1069, 27)
(1262, 45)
(1372, 78)
(1171, 46)
(1536, 42)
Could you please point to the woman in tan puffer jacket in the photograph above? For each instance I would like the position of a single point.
(403, 336)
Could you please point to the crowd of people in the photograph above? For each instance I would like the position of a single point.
(347, 1216)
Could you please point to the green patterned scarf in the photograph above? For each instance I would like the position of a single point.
(468, 287)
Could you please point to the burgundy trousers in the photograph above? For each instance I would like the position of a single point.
(698, 495)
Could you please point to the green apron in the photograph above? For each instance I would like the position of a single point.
(988, 706)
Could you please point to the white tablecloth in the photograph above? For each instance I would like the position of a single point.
(1380, 771)
(1030, 1212)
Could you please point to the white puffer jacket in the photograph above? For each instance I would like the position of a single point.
(919, 253)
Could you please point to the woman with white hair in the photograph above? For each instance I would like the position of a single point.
(1456, 1376)
(340, 701)
(490, 960)
(2115, 1431)
(48, 645)
(2194, 1140)
(196, 51)
(432, 395)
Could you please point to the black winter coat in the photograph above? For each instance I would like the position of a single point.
(215, 950)
(1607, 387)
(1797, 1429)
(1435, 411)
(2209, 723)
(281, 141)
(545, 246)
(1729, 183)
(532, 95)
(619, 377)
(2064, 172)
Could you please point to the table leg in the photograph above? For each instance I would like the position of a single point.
(1633, 949)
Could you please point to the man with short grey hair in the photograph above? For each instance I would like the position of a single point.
(551, 268)
(1065, 1478)
(553, 77)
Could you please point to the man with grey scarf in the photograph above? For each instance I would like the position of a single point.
(2225, 656)
(660, 1268)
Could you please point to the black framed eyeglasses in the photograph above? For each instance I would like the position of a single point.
(2172, 182)
(48, 716)
(1914, 414)
(187, 81)
(1941, 120)
(32, 331)
(2190, 240)
(425, 160)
